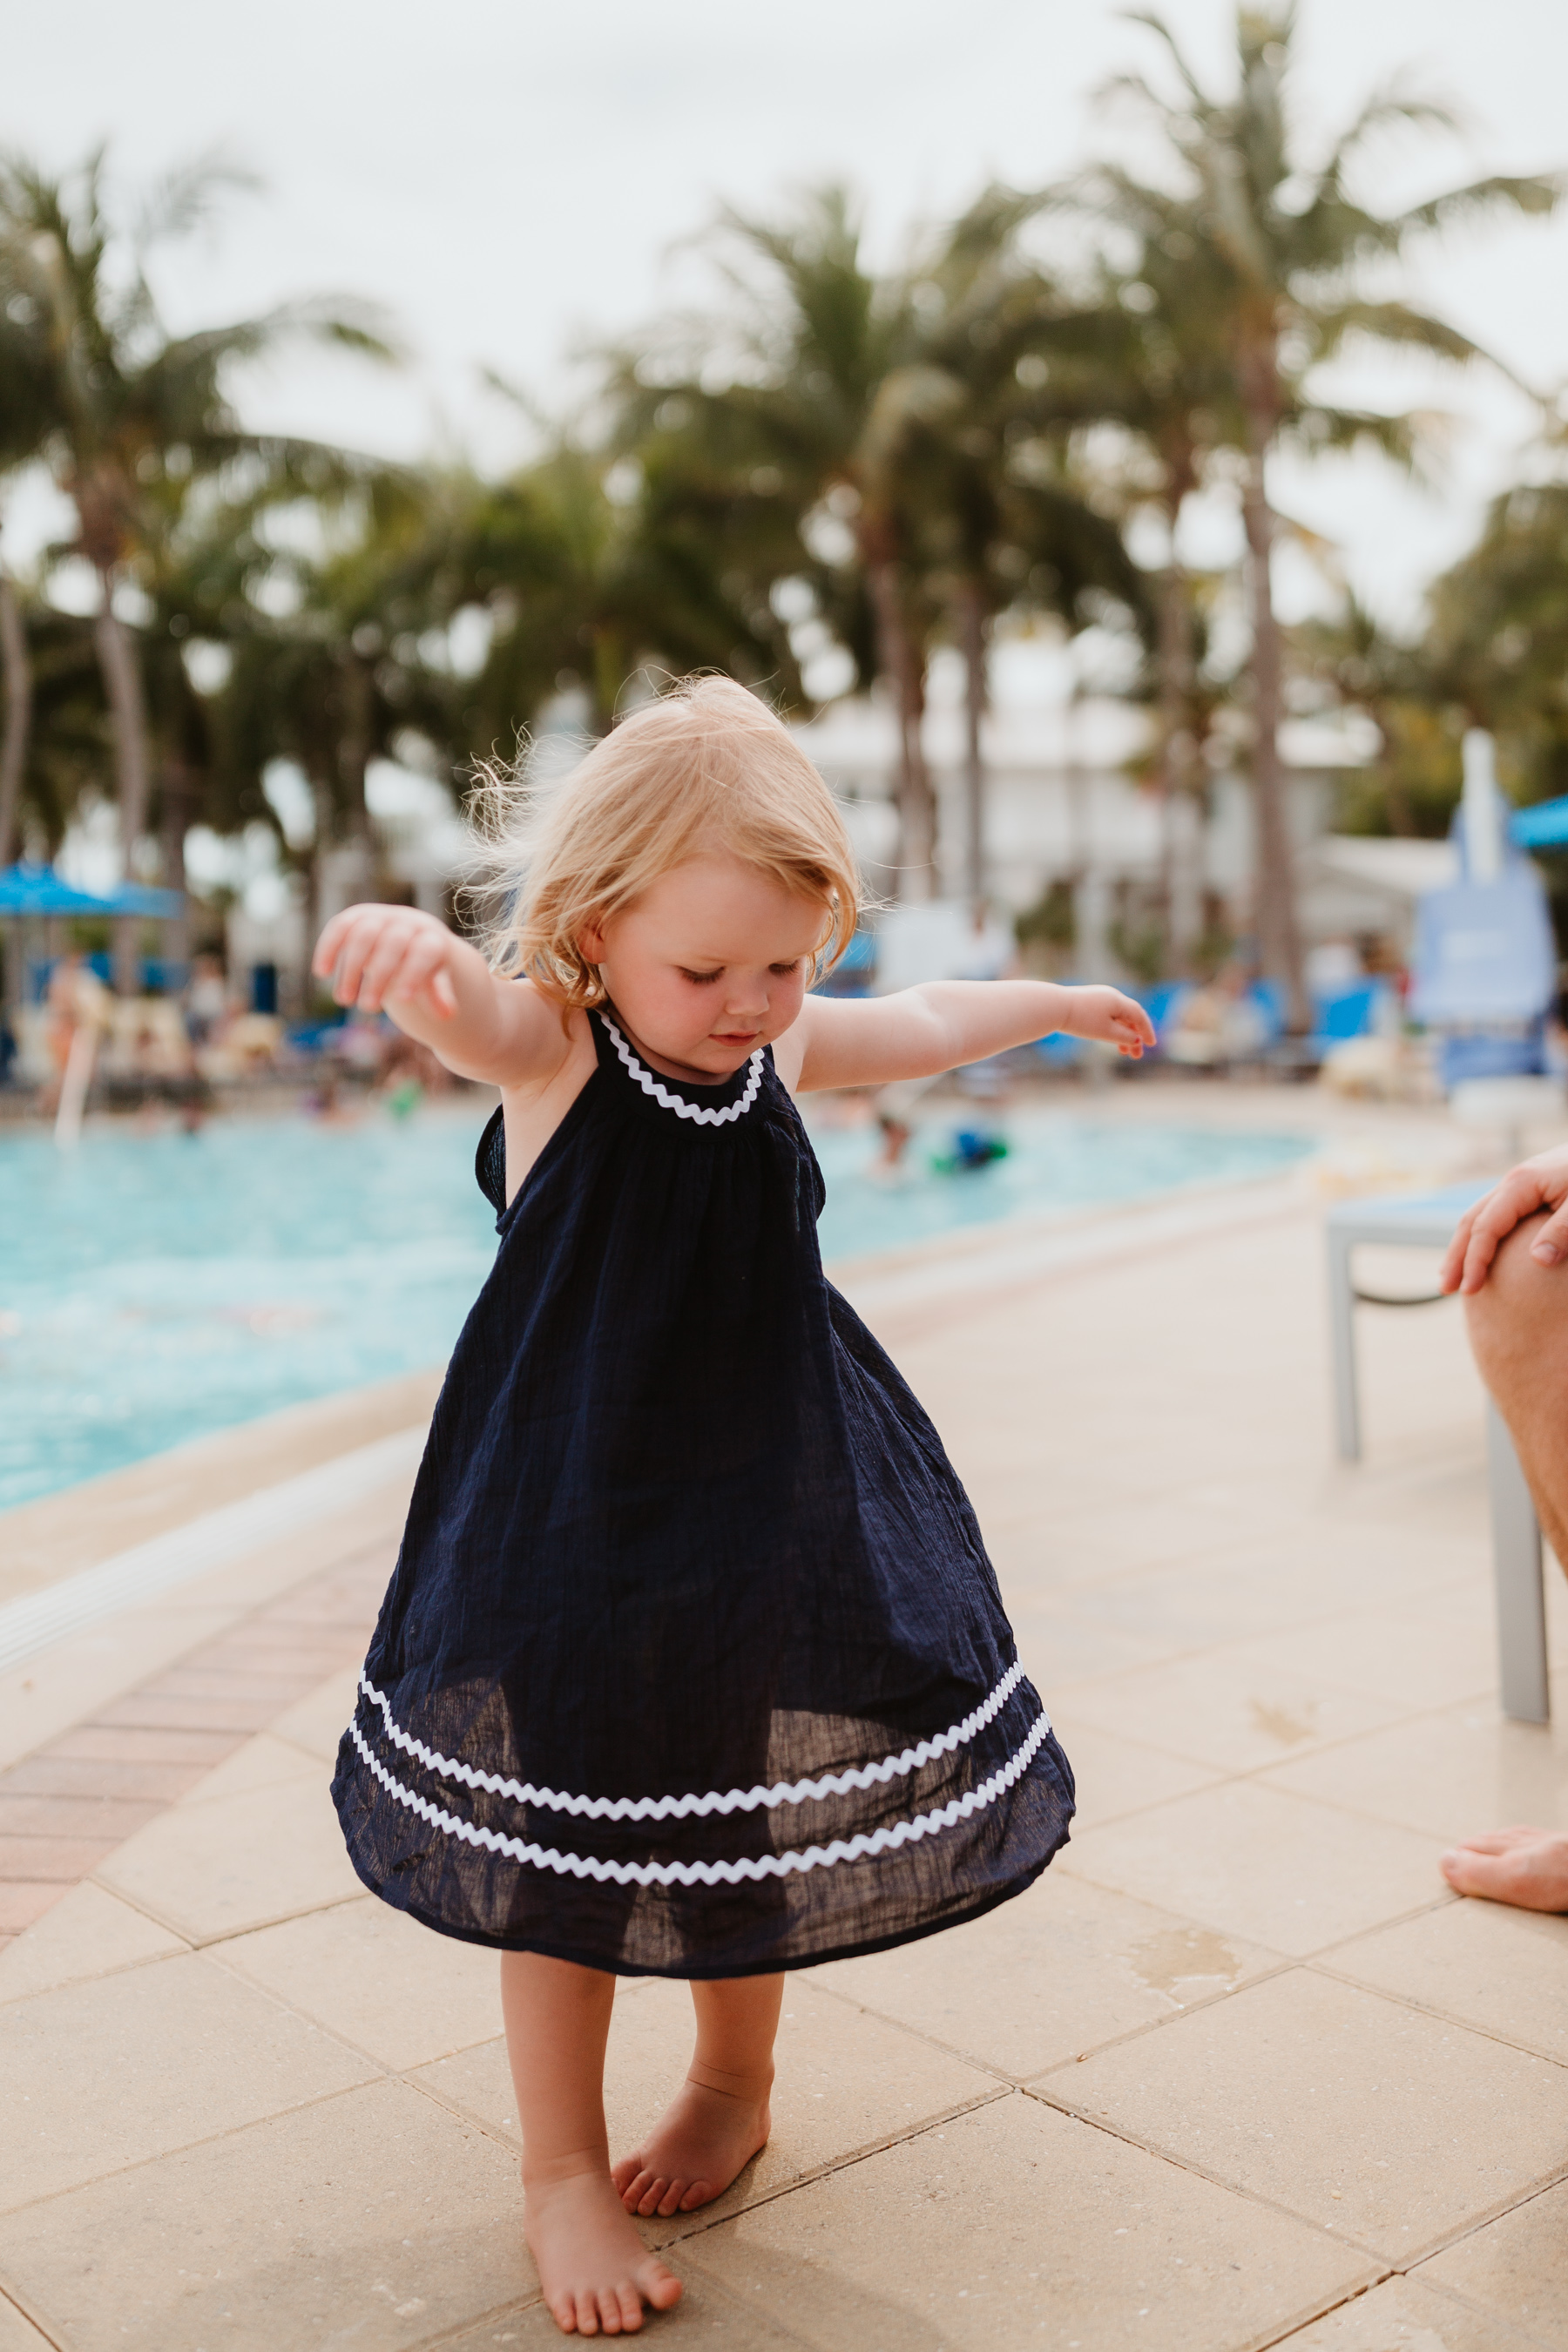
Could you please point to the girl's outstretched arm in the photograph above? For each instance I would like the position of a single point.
(441, 991)
(921, 1032)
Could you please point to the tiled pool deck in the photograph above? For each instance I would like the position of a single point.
(1239, 2071)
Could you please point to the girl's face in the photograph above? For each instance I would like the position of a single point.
(710, 963)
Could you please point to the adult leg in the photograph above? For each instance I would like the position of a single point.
(1519, 1333)
(594, 2269)
(719, 2119)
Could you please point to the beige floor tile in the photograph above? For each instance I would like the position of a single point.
(1517, 2266)
(1228, 1709)
(1402, 2316)
(87, 1933)
(1260, 1864)
(476, 2083)
(374, 2220)
(378, 1979)
(1059, 1651)
(705, 2315)
(1502, 1971)
(235, 1863)
(1116, 1776)
(262, 1763)
(1255, 1589)
(1064, 1967)
(1366, 2117)
(1450, 1774)
(846, 2083)
(17, 2333)
(317, 1723)
(1436, 1650)
(106, 2075)
(1016, 2227)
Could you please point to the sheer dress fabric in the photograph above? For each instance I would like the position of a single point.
(692, 1662)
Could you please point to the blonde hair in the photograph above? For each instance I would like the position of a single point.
(705, 767)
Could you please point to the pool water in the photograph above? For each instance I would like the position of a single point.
(154, 1288)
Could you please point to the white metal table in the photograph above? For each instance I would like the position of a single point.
(1427, 1221)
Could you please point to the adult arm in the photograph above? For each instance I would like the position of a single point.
(1535, 1184)
(440, 991)
(920, 1032)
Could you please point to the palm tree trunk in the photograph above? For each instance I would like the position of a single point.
(1278, 931)
(914, 871)
(128, 717)
(353, 759)
(17, 676)
(178, 795)
(1178, 776)
(972, 615)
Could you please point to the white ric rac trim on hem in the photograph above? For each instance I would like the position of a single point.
(715, 1873)
(666, 1101)
(728, 1800)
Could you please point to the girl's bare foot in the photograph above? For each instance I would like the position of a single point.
(1525, 1866)
(704, 2138)
(594, 2269)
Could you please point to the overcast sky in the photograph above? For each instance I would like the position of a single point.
(509, 177)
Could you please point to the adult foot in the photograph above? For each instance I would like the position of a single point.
(701, 2141)
(1525, 1866)
(594, 2269)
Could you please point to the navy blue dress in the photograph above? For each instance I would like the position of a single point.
(693, 1663)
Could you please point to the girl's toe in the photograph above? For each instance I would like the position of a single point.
(670, 2201)
(660, 2287)
(649, 2202)
(630, 2303)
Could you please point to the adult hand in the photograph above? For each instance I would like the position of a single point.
(1535, 1184)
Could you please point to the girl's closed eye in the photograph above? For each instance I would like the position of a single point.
(699, 979)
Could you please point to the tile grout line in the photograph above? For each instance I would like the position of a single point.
(1438, 2016)
(1401, 2262)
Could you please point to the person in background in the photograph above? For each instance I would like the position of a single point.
(1509, 1261)
(76, 1000)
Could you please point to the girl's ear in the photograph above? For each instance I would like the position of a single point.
(590, 941)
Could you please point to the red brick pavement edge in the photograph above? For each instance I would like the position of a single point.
(66, 1807)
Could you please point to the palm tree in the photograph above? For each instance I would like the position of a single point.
(812, 398)
(131, 404)
(24, 425)
(1498, 640)
(592, 564)
(1281, 246)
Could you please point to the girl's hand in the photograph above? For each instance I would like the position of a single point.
(1115, 1019)
(375, 953)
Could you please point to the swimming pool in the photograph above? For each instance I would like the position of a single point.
(157, 1286)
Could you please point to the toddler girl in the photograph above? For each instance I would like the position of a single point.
(693, 1663)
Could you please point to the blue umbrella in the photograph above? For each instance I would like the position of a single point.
(38, 890)
(144, 898)
(1544, 826)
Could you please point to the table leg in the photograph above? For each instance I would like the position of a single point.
(1516, 1568)
(1341, 1341)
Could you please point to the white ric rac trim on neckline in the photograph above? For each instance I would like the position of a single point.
(727, 1800)
(715, 1873)
(682, 1109)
